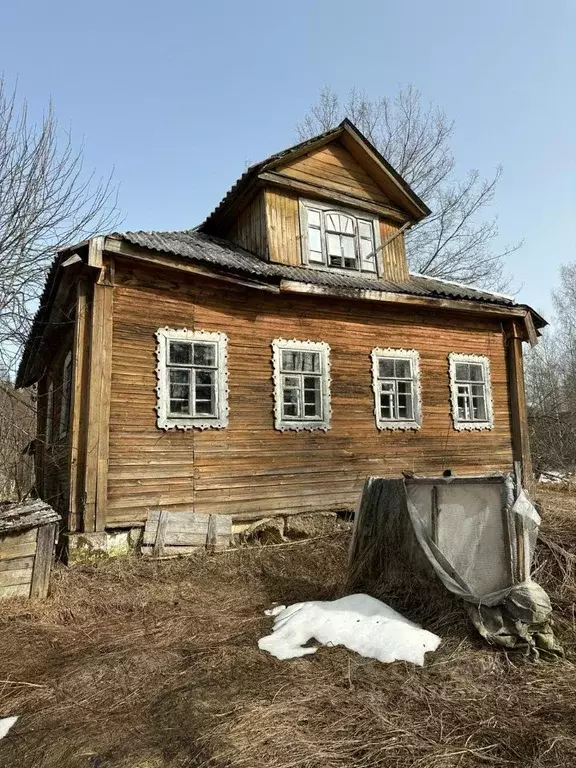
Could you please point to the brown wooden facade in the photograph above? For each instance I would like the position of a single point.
(114, 464)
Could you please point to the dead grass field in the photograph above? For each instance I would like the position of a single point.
(147, 664)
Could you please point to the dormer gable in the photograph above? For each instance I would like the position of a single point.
(321, 204)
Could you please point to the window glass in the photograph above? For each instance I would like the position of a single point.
(301, 386)
(396, 388)
(471, 408)
(340, 240)
(192, 385)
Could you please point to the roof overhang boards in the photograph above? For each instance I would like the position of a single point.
(405, 205)
(527, 317)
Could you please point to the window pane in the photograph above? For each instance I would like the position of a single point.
(290, 360)
(476, 372)
(386, 368)
(386, 404)
(404, 405)
(204, 354)
(316, 257)
(180, 406)
(404, 387)
(179, 376)
(463, 403)
(333, 243)
(402, 368)
(312, 396)
(310, 362)
(367, 250)
(291, 396)
(314, 240)
(180, 352)
(462, 372)
(479, 408)
(332, 222)
(179, 392)
(204, 393)
(349, 250)
(365, 229)
(313, 217)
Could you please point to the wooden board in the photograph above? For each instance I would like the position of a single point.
(334, 168)
(250, 470)
(43, 560)
(184, 532)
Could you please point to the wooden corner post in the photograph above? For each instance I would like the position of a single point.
(518, 408)
(98, 391)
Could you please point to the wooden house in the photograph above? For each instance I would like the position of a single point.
(267, 361)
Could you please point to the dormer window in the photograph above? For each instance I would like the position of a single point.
(337, 238)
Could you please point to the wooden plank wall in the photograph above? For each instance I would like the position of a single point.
(283, 220)
(393, 258)
(250, 470)
(17, 551)
(334, 168)
(249, 230)
(55, 459)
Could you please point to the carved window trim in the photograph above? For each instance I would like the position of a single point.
(379, 353)
(283, 424)
(167, 421)
(460, 425)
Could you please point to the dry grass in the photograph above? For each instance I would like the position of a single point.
(141, 664)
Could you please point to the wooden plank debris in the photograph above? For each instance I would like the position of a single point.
(181, 533)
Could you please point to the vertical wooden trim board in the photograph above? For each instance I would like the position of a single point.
(99, 382)
(77, 405)
(43, 560)
(518, 410)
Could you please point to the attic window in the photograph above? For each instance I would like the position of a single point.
(338, 238)
(192, 379)
(470, 391)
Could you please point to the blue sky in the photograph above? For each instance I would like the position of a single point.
(177, 96)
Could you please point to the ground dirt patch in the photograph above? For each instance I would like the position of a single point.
(140, 664)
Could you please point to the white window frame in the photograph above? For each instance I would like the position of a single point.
(413, 356)
(488, 423)
(66, 397)
(49, 420)
(165, 420)
(293, 345)
(357, 215)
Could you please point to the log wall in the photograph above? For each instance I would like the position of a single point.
(250, 470)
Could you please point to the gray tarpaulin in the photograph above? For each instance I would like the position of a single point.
(478, 535)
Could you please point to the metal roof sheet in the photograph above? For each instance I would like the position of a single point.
(219, 253)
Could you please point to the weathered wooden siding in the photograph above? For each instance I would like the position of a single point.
(54, 458)
(393, 259)
(249, 230)
(249, 469)
(283, 220)
(333, 167)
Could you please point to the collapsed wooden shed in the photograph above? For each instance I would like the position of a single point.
(28, 533)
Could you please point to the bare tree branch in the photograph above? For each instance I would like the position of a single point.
(455, 241)
(47, 201)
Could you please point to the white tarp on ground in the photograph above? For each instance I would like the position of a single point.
(5, 724)
(359, 622)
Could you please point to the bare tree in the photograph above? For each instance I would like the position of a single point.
(47, 201)
(455, 241)
(551, 383)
